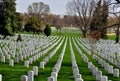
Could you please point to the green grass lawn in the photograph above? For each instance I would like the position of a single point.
(111, 37)
(65, 73)
(104, 72)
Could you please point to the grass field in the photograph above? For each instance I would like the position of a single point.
(65, 73)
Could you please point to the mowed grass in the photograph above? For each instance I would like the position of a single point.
(67, 34)
(14, 73)
(104, 72)
(44, 74)
(83, 67)
(65, 74)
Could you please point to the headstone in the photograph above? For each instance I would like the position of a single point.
(75, 66)
(30, 76)
(51, 78)
(42, 65)
(13, 55)
(95, 69)
(75, 71)
(24, 56)
(21, 58)
(3, 59)
(104, 78)
(34, 58)
(30, 60)
(35, 69)
(17, 60)
(11, 62)
(118, 64)
(98, 75)
(79, 79)
(26, 64)
(54, 74)
(24, 78)
(111, 60)
(0, 77)
(8, 56)
(110, 69)
(89, 64)
(77, 76)
(107, 66)
(55, 69)
(116, 73)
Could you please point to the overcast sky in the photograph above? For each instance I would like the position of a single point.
(56, 6)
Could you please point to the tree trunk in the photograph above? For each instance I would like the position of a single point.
(84, 33)
(117, 35)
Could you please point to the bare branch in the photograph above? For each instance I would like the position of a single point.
(38, 9)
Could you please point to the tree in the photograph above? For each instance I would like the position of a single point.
(115, 11)
(34, 25)
(19, 38)
(39, 9)
(8, 15)
(48, 18)
(47, 30)
(81, 10)
(18, 20)
(118, 1)
(99, 21)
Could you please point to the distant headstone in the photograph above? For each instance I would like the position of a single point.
(11, 62)
(51, 78)
(16, 59)
(79, 79)
(21, 58)
(76, 72)
(116, 73)
(8, 57)
(24, 78)
(26, 64)
(35, 69)
(0, 77)
(42, 65)
(3, 59)
(55, 69)
(54, 74)
(30, 60)
(110, 70)
(30, 76)
(104, 78)
(98, 75)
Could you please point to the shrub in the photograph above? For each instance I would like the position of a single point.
(47, 30)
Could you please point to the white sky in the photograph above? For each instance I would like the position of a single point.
(56, 6)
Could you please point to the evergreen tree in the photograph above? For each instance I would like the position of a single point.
(47, 30)
(99, 20)
(104, 19)
(8, 21)
(96, 17)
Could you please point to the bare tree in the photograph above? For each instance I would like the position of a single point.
(81, 10)
(48, 19)
(39, 9)
(115, 11)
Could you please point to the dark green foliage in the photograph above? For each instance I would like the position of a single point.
(99, 21)
(47, 30)
(19, 38)
(34, 24)
(8, 17)
(17, 23)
